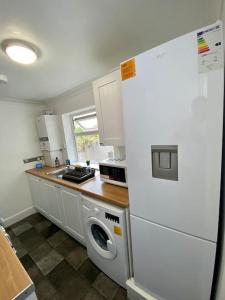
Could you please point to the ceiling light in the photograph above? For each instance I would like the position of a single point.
(20, 51)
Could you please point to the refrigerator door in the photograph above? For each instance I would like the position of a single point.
(169, 102)
(171, 265)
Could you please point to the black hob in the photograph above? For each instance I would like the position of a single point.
(79, 175)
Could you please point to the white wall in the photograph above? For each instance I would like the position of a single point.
(18, 140)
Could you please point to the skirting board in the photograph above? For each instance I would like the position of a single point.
(136, 293)
(18, 216)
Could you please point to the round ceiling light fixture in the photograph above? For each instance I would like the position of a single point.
(20, 51)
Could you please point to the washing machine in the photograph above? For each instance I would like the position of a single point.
(106, 238)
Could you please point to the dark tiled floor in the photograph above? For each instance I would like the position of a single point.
(58, 264)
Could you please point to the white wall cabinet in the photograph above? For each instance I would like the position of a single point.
(108, 102)
(61, 205)
(72, 213)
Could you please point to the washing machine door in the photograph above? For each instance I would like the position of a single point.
(101, 238)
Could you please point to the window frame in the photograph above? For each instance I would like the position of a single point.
(70, 137)
(87, 111)
(85, 116)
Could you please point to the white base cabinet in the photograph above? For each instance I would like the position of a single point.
(71, 202)
(39, 195)
(53, 196)
(59, 204)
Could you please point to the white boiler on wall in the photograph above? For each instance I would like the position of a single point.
(49, 132)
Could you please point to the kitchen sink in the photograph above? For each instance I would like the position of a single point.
(75, 174)
(59, 173)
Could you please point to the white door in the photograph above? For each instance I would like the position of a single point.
(71, 202)
(169, 264)
(55, 202)
(39, 194)
(108, 102)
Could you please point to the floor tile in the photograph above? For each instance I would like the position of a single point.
(121, 294)
(57, 238)
(10, 233)
(45, 290)
(21, 228)
(40, 252)
(93, 295)
(58, 296)
(27, 261)
(49, 231)
(42, 225)
(76, 288)
(66, 247)
(77, 257)
(49, 262)
(58, 265)
(61, 274)
(105, 286)
(18, 223)
(89, 270)
(35, 274)
(35, 219)
(20, 250)
(31, 239)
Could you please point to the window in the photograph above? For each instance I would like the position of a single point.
(87, 139)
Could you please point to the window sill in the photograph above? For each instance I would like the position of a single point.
(83, 164)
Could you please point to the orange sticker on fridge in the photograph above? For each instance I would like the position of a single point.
(128, 69)
(117, 230)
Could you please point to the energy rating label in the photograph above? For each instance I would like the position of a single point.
(202, 45)
(210, 48)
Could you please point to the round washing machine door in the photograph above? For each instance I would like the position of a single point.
(101, 238)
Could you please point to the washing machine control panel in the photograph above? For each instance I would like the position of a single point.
(112, 218)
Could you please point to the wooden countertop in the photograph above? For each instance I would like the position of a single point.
(94, 187)
(13, 277)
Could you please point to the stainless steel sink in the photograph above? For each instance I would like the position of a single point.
(59, 173)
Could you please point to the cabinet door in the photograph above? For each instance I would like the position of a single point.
(108, 102)
(39, 195)
(72, 213)
(54, 201)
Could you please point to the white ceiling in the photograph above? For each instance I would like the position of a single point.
(81, 39)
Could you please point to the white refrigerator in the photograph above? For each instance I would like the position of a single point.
(173, 115)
